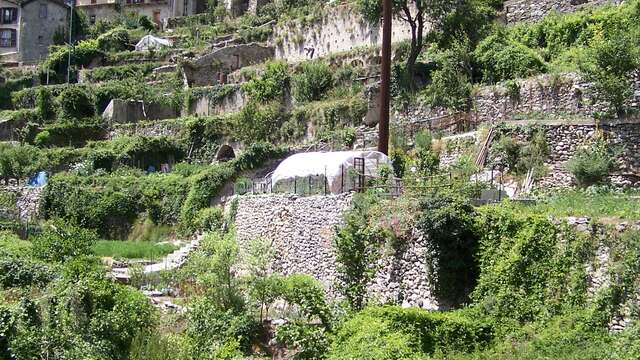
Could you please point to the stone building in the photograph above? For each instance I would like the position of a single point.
(27, 28)
(156, 10)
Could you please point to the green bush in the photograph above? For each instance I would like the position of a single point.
(209, 219)
(60, 242)
(45, 104)
(114, 40)
(502, 58)
(313, 81)
(108, 73)
(448, 223)
(592, 164)
(75, 103)
(10, 87)
(270, 86)
(21, 272)
(394, 333)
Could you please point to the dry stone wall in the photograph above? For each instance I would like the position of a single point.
(301, 231)
(341, 29)
(533, 10)
(564, 139)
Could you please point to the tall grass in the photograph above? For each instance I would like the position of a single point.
(132, 249)
(595, 204)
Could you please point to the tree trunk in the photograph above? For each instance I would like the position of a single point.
(417, 28)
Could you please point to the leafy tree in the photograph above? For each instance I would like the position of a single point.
(18, 161)
(608, 63)
(60, 242)
(450, 85)
(271, 85)
(356, 251)
(416, 13)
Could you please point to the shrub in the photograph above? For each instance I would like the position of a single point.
(209, 219)
(448, 223)
(271, 86)
(391, 332)
(313, 81)
(502, 58)
(45, 104)
(357, 248)
(591, 164)
(114, 40)
(75, 103)
(23, 272)
(609, 65)
(60, 242)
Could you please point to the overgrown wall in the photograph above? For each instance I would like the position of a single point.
(301, 231)
(341, 29)
(533, 10)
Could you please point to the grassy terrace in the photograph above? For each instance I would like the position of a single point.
(594, 204)
(132, 249)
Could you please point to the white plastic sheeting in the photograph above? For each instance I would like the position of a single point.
(151, 42)
(334, 165)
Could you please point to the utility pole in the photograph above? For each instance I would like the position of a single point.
(385, 79)
(72, 3)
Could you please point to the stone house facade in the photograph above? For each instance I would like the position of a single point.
(156, 10)
(27, 28)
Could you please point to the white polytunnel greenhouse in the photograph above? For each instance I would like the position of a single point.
(341, 169)
(151, 42)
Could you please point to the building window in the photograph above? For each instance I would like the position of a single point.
(40, 39)
(7, 38)
(8, 15)
(43, 11)
(92, 19)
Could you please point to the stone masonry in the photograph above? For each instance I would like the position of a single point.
(533, 10)
(301, 231)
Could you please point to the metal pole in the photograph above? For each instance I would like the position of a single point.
(385, 79)
(70, 41)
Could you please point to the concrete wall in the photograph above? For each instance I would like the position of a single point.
(533, 10)
(129, 111)
(340, 29)
(231, 103)
(36, 34)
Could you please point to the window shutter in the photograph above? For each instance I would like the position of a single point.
(14, 38)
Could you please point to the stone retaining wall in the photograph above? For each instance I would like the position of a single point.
(301, 231)
(564, 139)
(169, 128)
(533, 10)
(544, 96)
(342, 28)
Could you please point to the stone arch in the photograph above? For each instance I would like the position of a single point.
(357, 63)
(225, 153)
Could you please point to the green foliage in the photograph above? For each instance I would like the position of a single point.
(450, 85)
(271, 85)
(45, 104)
(10, 87)
(503, 58)
(522, 156)
(108, 73)
(357, 248)
(131, 249)
(394, 333)
(448, 222)
(591, 164)
(75, 103)
(209, 219)
(83, 54)
(308, 341)
(609, 64)
(313, 81)
(22, 271)
(18, 161)
(259, 122)
(60, 241)
(530, 268)
(114, 40)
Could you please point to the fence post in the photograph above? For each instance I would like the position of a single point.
(341, 178)
(325, 180)
(309, 181)
(295, 185)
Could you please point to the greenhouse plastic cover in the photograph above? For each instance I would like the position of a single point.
(150, 41)
(333, 164)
